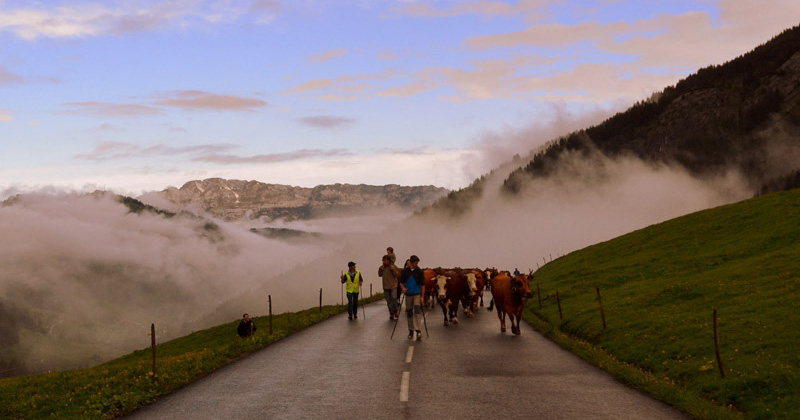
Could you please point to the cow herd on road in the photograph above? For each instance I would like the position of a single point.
(455, 287)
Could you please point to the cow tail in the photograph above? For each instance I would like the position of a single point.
(491, 305)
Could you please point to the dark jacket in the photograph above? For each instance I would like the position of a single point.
(419, 276)
(244, 328)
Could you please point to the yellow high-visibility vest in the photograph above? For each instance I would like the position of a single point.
(352, 284)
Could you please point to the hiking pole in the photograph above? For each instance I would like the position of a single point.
(424, 321)
(398, 318)
(363, 304)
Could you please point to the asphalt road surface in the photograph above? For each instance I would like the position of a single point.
(341, 369)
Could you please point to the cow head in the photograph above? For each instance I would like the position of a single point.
(441, 287)
(472, 284)
(520, 286)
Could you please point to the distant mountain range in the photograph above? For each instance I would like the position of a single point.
(238, 200)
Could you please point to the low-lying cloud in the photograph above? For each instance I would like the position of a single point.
(82, 274)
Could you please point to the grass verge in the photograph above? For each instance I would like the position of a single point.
(659, 286)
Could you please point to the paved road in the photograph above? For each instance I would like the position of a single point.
(342, 369)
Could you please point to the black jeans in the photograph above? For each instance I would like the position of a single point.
(352, 304)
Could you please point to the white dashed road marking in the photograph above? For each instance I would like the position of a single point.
(410, 354)
(404, 386)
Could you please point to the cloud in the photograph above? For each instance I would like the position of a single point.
(109, 109)
(87, 276)
(100, 18)
(326, 121)
(410, 89)
(310, 85)
(549, 35)
(343, 83)
(5, 116)
(199, 100)
(327, 55)
(8, 78)
(112, 150)
(387, 56)
(304, 154)
(481, 8)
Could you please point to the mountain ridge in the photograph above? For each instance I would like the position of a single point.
(238, 199)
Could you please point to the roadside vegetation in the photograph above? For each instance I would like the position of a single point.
(658, 288)
(119, 387)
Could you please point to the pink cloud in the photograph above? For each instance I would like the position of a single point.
(8, 78)
(327, 55)
(326, 121)
(109, 109)
(112, 150)
(481, 8)
(196, 100)
(273, 157)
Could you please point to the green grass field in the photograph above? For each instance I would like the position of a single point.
(658, 287)
(121, 386)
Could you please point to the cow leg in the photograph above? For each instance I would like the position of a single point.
(502, 316)
(444, 313)
(454, 313)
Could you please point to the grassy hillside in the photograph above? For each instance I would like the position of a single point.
(121, 386)
(658, 287)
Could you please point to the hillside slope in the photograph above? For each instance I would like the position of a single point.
(743, 115)
(659, 286)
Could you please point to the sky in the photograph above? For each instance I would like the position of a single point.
(136, 96)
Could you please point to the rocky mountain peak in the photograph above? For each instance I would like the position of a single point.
(232, 199)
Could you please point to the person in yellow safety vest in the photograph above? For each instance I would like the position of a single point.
(352, 280)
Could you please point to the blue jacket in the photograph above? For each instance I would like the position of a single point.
(413, 280)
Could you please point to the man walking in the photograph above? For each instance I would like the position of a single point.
(413, 284)
(352, 279)
(390, 275)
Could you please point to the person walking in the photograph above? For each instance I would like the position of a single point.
(390, 275)
(352, 280)
(413, 283)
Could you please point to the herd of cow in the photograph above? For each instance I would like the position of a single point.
(464, 287)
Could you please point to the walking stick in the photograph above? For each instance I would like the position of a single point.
(424, 321)
(398, 318)
(363, 304)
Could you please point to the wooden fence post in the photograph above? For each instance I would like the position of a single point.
(716, 346)
(602, 313)
(370, 290)
(270, 313)
(558, 299)
(539, 295)
(153, 344)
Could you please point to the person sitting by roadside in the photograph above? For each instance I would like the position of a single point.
(246, 327)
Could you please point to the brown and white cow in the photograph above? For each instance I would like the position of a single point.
(470, 294)
(480, 285)
(509, 293)
(451, 291)
(441, 295)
